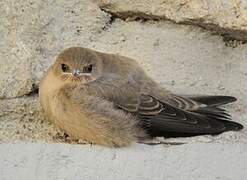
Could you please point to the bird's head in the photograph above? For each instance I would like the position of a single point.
(78, 65)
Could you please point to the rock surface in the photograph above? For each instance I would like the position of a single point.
(32, 32)
(228, 18)
(140, 162)
(21, 119)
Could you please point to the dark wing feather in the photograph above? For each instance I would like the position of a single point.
(194, 102)
(162, 119)
(213, 100)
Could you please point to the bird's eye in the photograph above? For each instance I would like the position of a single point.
(88, 69)
(64, 67)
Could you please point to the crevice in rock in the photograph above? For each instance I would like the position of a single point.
(110, 22)
(231, 37)
(34, 90)
(231, 42)
(133, 16)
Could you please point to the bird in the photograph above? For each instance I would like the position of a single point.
(109, 100)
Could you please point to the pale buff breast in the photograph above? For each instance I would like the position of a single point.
(67, 115)
(47, 88)
(54, 106)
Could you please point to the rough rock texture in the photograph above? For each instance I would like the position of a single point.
(228, 18)
(22, 120)
(32, 32)
(183, 58)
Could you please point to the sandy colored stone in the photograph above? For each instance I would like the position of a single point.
(228, 18)
(32, 32)
(22, 120)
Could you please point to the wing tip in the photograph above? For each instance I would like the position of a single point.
(233, 126)
(217, 100)
(230, 98)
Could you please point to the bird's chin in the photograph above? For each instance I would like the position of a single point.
(87, 79)
(83, 79)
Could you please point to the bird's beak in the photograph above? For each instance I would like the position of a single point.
(76, 73)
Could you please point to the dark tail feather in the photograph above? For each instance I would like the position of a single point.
(213, 100)
(214, 112)
(229, 126)
(232, 126)
(220, 115)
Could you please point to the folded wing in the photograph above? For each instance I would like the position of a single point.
(163, 119)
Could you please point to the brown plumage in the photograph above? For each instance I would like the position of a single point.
(108, 99)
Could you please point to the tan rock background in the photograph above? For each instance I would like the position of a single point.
(228, 18)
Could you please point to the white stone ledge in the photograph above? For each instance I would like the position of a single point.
(64, 161)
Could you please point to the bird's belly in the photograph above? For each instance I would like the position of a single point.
(81, 122)
(59, 111)
(68, 117)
